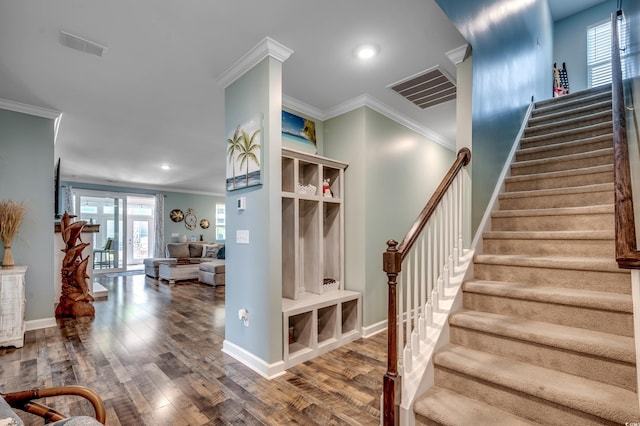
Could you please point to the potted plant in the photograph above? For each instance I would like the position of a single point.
(11, 215)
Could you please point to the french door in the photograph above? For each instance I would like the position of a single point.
(108, 212)
(125, 234)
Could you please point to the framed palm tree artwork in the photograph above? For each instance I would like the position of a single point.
(244, 156)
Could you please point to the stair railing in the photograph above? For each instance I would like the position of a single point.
(431, 251)
(627, 254)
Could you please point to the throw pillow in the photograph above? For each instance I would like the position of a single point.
(178, 250)
(210, 251)
(221, 253)
(195, 250)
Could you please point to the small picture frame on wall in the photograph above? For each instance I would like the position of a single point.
(299, 132)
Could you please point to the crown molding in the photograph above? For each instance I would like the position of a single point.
(29, 109)
(266, 47)
(301, 107)
(458, 54)
(370, 102)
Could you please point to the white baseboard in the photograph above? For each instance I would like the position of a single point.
(40, 323)
(268, 371)
(374, 329)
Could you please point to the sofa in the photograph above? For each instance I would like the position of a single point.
(193, 251)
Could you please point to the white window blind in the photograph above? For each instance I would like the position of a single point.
(599, 54)
(599, 51)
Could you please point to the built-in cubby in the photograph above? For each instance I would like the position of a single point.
(327, 331)
(300, 336)
(318, 313)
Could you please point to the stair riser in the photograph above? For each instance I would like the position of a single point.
(545, 140)
(605, 370)
(557, 201)
(515, 402)
(559, 182)
(614, 282)
(620, 323)
(566, 124)
(596, 222)
(559, 247)
(564, 150)
(569, 113)
(567, 163)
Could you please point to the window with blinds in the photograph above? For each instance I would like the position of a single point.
(599, 51)
(599, 54)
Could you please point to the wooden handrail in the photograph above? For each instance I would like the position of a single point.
(462, 159)
(392, 264)
(627, 254)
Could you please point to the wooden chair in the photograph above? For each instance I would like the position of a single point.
(23, 400)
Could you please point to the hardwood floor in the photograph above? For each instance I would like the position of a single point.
(153, 353)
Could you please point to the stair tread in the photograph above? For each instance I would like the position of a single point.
(564, 145)
(569, 132)
(562, 158)
(605, 102)
(573, 98)
(561, 173)
(558, 295)
(552, 262)
(568, 121)
(551, 235)
(596, 187)
(596, 343)
(556, 211)
(588, 396)
(450, 408)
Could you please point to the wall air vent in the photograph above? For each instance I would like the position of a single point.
(81, 44)
(427, 88)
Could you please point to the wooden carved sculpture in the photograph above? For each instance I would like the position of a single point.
(75, 299)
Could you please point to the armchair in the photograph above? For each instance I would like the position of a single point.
(23, 400)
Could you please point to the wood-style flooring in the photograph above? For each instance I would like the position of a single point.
(153, 353)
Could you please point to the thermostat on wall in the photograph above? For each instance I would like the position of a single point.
(242, 203)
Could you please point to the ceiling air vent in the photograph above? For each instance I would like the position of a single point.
(428, 88)
(81, 44)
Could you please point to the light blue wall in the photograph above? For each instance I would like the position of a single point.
(512, 51)
(391, 175)
(26, 174)
(570, 41)
(254, 271)
(203, 205)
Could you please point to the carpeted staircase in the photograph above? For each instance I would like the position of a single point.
(546, 331)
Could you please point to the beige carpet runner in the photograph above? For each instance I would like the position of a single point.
(546, 333)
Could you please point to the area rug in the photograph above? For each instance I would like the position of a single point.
(125, 274)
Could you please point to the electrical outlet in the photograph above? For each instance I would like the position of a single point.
(243, 315)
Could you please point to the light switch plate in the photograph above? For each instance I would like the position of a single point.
(242, 236)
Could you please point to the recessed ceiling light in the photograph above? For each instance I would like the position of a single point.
(165, 167)
(366, 51)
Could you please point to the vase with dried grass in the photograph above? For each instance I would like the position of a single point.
(11, 215)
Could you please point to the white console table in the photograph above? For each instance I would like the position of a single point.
(12, 300)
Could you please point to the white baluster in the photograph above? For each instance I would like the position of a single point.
(429, 309)
(408, 307)
(423, 289)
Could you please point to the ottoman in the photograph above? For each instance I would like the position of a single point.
(173, 272)
(212, 272)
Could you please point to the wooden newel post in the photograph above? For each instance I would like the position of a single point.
(392, 264)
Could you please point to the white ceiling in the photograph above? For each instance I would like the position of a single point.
(152, 98)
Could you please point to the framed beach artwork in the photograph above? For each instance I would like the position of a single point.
(298, 132)
(244, 155)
